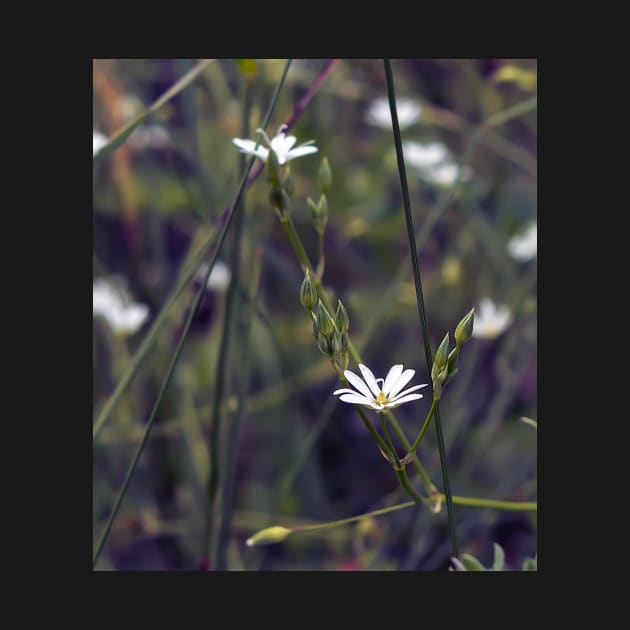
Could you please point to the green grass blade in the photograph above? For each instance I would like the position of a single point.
(419, 294)
(122, 134)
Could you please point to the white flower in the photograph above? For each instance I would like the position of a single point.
(524, 246)
(388, 396)
(220, 275)
(122, 316)
(281, 144)
(98, 141)
(490, 320)
(152, 136)
(425, 156)
(379, 113)
(434, 163)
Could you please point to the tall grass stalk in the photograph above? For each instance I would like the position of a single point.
(419, 295)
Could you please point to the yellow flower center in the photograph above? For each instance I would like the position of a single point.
(381, 399)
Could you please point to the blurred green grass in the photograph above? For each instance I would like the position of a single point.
(150, 202)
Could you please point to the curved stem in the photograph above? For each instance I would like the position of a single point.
(425, 426)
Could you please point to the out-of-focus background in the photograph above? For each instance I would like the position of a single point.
(470, 140)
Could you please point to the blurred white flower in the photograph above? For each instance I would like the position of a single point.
(98, 140)
(150, 137)
(524, 246)
(434, 163)
(379, 114)
(491, 320)
(387, 396)
(281, 145)
(220, 275)
(121, 314)
(425, 156)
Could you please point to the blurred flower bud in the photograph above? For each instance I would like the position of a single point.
(464, 329)
(279, 200)
(342, 321)
(324, 176)
(319, 213)
(272, 168)
(308, 293)
(268, 536)
(288, 184)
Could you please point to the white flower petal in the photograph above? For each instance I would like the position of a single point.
(282, 144)
(358, 383)
(344, 390)
(356, 399)
(368, 375)
(403, 379)
(407, 391)
(400, 401)
(300, 151)
(248, 146)
(391, 378)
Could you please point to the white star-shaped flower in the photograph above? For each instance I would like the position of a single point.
(281, 144)
(387, 396)
(123, 316)
(524, 246)
(491, 320)
(380, 115)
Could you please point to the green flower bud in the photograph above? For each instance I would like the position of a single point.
(325, 324)
(322, 343)
(440, 359)
(324, 176)
(288, 184)
(335, 343)
(344, 343)
(452, 361)
(268, 536)
(308, 293)
(342, 321)
(272, 167)
(464, 329)
(319, 213)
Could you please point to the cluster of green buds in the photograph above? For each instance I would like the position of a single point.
(319, 210)
(445, 363)
(282, 185)
(331, 334)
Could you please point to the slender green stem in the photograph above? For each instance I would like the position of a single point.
(213, 479)
(419, 294)
(180, 345)
(425, 426)
(388, 437)
(296, 243)
(519, 506)
(373, 433)
(222, 370)
(527, 506)
(321, 263)
(235, 426)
